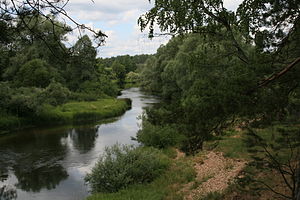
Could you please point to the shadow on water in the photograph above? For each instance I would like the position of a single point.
(36, 158)
(51, 163)
(84, 138)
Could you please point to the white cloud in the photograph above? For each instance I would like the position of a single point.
(136, 43)
(232, 4)
(118, 19)
(108, 11)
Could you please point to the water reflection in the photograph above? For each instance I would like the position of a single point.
(35, 161)
(50, 164)
(84, 138)
(3, 173)
(8, 193)
(44, 177)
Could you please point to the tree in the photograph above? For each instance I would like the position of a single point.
(36, 73)
(106, 83)
(246, 65)
(120, 72)
(127, 62)
(220, 72)
(26, 47)
(212, 18)
(280, 154)
(11, 10)
(132, 77)
(83, 63)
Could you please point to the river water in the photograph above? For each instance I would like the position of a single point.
(50, 163)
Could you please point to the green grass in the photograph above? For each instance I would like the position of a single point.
(170, 152)
(8, 122)
(213, 196)
(232, 144)
(73, 112)
(240, 145)
(83, 111)
(167, 186)
(197, 183)
(131, 85)
(235, 144)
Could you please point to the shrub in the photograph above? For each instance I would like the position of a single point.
(5, 95)
(213, 196)
(90, 87)
(8, 122)
(55, 94)
(24, 101)
(121, 166)
(132, 77)
(35, 73)
(159, 136)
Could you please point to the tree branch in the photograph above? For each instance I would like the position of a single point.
(273, 77)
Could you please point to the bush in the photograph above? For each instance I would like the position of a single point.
(55, 94)
(24, 101)
(132, 77)
(8, 122)
(35, 73)
(159, 136)
(90, 87)
(121, 166)
(5, 95)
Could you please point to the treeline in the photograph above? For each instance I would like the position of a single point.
(228, 81)
(126, 68)
(228, 71)
(206, 87)
(39, 68)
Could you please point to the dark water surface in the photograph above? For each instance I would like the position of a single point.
(50, 164)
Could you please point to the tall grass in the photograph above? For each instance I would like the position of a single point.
(167, 186)
(72, 112)
(77, 112)
(8, 122)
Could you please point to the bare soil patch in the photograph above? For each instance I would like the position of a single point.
(214, 174)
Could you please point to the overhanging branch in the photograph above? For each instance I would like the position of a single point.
(270, 79)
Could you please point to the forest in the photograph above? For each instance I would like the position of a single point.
(228, 84)
(228, 81)
(38, 72)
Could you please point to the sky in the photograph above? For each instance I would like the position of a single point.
(118, 20)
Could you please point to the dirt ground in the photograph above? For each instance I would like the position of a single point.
(214, 174)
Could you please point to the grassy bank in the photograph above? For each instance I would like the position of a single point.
(84, 111)
(9, 122)
(200, 177)
(167, 186)
(72, 112)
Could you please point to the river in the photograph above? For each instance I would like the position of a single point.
(50, 163)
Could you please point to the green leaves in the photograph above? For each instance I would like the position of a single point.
(122, 166)
(120, 72)
(82, 65)
(35, 73)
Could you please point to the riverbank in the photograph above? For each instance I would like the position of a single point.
(72, 112)
(225, 169)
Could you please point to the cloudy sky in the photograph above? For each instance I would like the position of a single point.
(118, 19)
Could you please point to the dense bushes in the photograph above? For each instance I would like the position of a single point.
(55, 94)
(159, 136)
(36, 73)
(121, 166)
(27, 106)
(5, 94)
(36, 77)
(205, 91)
